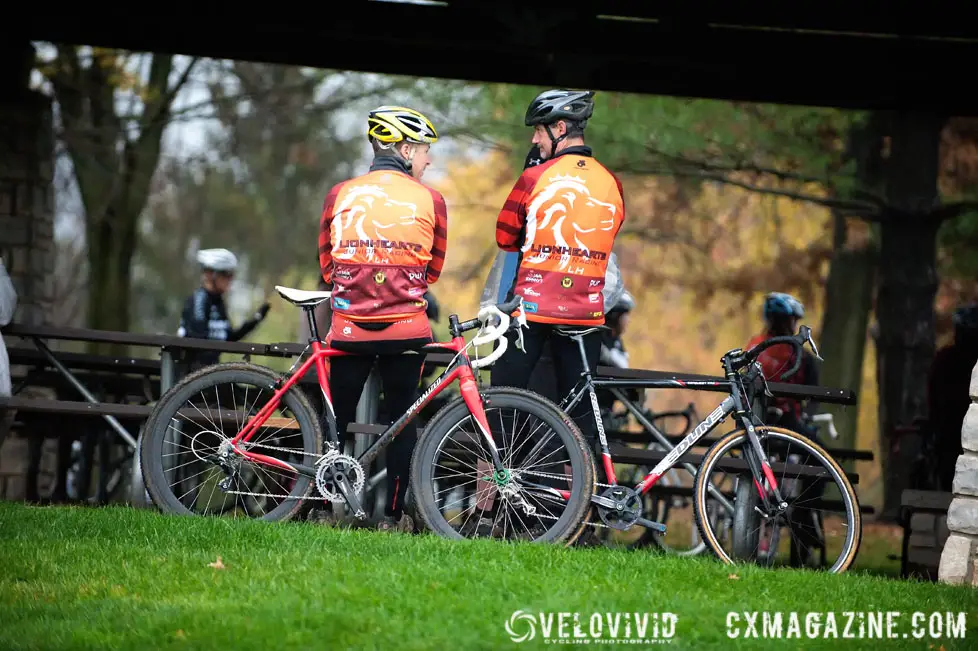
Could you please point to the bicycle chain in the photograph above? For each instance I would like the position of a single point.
(319, 498)
(322, 498)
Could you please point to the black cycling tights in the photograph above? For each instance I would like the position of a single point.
(515, 367)
(399, 376)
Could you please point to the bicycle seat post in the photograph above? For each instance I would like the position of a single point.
(584, 365)
(311, 317)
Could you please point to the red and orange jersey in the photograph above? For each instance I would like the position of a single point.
(382, 241)
(563, 217)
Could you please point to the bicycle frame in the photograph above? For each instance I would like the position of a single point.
(732, 404)
(458, 369)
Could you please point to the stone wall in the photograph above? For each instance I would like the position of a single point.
(27, 202)
(26, 225)
(959, 561)
(926, 533)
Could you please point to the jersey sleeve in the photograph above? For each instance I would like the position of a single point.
(193, 320)
(512, 217)
(439, 245)
(325, 234)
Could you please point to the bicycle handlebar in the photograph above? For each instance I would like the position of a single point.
(797, 341)
(490, 333)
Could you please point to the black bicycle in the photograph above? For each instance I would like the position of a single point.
(751, 478)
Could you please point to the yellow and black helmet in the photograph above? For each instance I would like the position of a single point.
(392, 124)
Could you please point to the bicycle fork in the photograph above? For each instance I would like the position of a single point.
(760, 467)
(500, 476)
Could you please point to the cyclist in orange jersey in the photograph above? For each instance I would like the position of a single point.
(562, 216)
(382, 242)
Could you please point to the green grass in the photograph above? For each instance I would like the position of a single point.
(119, 578)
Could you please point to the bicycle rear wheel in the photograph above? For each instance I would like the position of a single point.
(822, 512)
(181, 452)
(458, 495)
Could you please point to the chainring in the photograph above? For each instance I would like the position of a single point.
(333, 466)
(627, 511)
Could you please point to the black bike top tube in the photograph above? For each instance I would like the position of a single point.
(663, 384)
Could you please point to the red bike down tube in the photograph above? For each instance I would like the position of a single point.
(462, 372)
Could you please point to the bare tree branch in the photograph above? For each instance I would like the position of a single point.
(743, 166)
(864, 209)
(954, 210)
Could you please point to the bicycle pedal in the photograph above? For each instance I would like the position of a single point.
(648, 524)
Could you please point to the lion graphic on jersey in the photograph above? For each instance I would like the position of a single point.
(562, 193)
(357, 213)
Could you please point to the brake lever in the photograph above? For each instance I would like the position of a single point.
(520, 321)
(760, 371)
(811, 342)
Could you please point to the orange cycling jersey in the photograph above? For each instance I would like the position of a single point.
(563, 217)
(382, 241)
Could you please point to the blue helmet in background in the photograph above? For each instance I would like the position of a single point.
(780, 304)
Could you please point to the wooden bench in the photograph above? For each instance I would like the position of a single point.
(167, 345)
(924, 521)
(137, 413)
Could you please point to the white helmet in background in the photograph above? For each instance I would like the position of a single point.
(217, 259)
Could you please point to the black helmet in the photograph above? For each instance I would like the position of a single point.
(552, 105)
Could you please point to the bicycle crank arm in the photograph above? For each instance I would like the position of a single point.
(606, 502)
(351, 497)
(648, 524)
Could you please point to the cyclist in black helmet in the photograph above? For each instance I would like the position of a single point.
(561, 285)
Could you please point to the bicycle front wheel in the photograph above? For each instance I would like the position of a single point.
(822, 518)
(544, 492)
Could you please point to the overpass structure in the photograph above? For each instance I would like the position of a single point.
(869, 55)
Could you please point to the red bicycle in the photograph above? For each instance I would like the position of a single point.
(238, 438)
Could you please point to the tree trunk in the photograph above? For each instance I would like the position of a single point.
(908, 286)
(848, 302)
(111, 245)
(849, 289)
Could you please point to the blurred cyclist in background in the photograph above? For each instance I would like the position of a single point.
(781, 314)
(205, 314)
